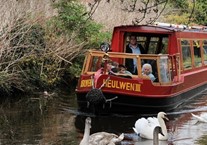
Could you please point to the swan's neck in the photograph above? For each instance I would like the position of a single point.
(85, 140)
(155, 138)
(163, 126)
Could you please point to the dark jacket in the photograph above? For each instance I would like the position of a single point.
(129, 62)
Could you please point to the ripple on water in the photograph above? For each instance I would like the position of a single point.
(60, 123)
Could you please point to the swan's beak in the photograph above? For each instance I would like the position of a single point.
(161, 133)
(166, 118)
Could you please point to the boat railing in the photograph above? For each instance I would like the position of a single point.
(165, 68)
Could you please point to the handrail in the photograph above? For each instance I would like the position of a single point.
(172, 63)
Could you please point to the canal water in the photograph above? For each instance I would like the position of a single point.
(54, 120)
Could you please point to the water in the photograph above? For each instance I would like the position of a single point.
(54, 120)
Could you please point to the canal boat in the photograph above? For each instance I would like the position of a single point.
(177, 54)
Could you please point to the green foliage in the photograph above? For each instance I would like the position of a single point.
(72, 18)
(76, 68)
(178, 18)
(184, 9)
(181, 4)
(98, 38)
(38, 56)
(200, 12)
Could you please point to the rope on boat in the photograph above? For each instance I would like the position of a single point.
(110, 100)
(92, 78)
(104, 83)
(95, 96)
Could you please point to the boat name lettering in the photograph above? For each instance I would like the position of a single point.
(122, 85)
(86, 83)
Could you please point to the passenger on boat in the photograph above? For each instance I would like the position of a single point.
(147, 71)
(109, 69)
(123, 70)
(115, 67)
(135, 48)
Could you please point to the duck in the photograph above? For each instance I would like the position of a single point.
(145, 127)
(201, 118)
(99, 138)
(157, 130)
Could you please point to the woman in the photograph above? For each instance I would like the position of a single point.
(147, 71)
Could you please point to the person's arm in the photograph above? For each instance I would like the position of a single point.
(152, 77)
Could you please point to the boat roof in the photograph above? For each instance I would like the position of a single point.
(165, 28)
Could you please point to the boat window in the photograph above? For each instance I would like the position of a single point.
(164, 45)
(186, 54)
(149, 43)
(153, 45)
(95, 63)
(153, 63)
(141, 40)
(157, 45)
(205, 51)
(197, 53)
(164, 69)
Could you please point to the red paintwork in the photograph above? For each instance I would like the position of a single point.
(189, 79)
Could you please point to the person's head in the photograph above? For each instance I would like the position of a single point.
(115, 64)
(147, 68)
(122, 68)
(109, 65)
(133, 40)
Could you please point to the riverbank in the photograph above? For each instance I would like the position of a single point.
(40, 54)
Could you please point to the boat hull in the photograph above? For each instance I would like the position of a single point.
(126, 104)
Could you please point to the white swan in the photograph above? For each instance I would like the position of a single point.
(144, 127)
(99, 138)
(201, 118)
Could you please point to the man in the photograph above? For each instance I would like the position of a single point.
(135, 48)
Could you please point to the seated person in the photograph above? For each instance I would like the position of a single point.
(108, 69)
(123, 70)
(147, 71)
(115, 67)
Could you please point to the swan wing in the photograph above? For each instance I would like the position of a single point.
(96, 138)
(153, 121)
(202, 118)
(144, 127)
(100, 138)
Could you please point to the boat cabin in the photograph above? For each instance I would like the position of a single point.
(170, 51)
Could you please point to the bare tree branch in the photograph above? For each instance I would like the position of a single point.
(190, 17)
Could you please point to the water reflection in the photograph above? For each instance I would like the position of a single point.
(56, 121)
(33, 121)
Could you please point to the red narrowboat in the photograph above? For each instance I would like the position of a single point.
(178, 58)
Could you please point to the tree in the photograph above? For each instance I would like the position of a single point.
(150, 10)
(36, 54)
(175, 11)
